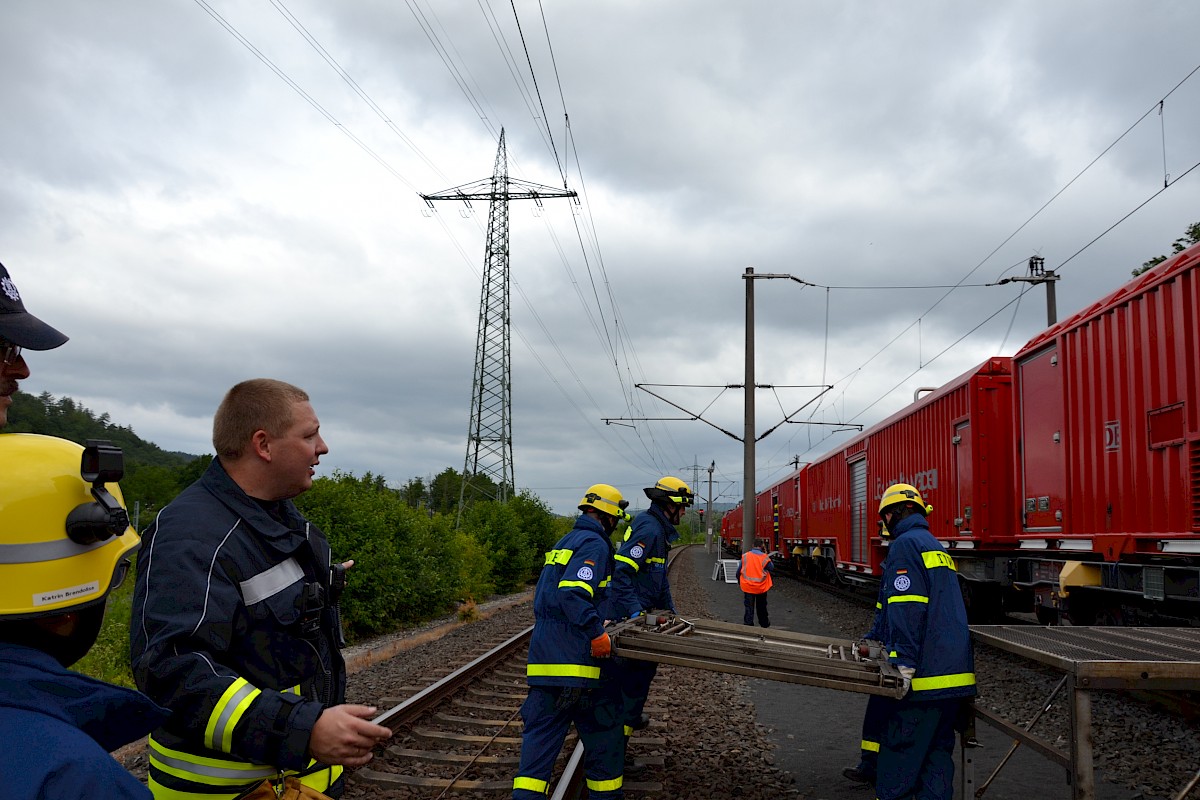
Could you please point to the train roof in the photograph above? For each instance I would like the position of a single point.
(1166, 271)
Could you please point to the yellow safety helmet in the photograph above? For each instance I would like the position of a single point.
(65, 537)
(902, 493)
(604, 498)
(671, 489)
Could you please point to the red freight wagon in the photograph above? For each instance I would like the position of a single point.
(954, 445)
(1108, 467)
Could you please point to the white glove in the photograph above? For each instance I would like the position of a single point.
(906, 676)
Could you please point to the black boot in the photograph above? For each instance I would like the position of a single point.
(858, 774)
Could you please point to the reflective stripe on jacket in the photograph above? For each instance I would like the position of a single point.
(754, 573)
(220, 634)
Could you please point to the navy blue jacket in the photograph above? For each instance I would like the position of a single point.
(566, 603)
(218, 634)
(921, 617)
(640, 574)
(58, 728)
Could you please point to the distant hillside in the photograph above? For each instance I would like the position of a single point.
(65, 418)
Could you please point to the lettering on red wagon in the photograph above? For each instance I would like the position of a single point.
(1112, 435)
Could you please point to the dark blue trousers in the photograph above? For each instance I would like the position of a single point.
(752, 603)
(916, 754)
(874, 720)
(634, 678)
(547, 717)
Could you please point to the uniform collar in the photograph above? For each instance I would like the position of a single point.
(908, 523)
(226, 489)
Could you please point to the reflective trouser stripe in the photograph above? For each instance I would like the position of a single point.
(605, 786)
(869, 746)
(531, 785)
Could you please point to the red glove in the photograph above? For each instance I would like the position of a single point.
(601, 646)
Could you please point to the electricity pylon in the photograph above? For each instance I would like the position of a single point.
(489, 438)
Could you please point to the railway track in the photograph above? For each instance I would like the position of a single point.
(461, 733)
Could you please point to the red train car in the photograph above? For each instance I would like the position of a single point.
(953, 445)
(1065, 478)
(1107, 417)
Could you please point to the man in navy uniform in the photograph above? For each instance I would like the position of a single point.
(567, 682)
(923, 626)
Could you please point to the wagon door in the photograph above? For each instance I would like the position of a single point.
(965, 478)
(858, 511)
(1043, 470)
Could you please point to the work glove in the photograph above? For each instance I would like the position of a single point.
(602, 646)
(906, 677)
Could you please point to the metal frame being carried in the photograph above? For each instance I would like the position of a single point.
(756, 652)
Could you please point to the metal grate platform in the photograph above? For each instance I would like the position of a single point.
(756, 652)
(1095, 658)
(1106, 657)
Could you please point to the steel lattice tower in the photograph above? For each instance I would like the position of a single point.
(489, 437)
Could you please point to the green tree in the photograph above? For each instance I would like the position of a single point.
(1190, 237)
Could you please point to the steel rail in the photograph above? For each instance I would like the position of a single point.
(431, 696)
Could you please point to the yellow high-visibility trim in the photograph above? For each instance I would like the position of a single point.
(531, 785)
(908, 598)
(870, 747)
(656, 561)
(207, 772)
(937, 558)
(581, 584)
(562, 671)
(629, 561)
(558, 557)
(943, 681)
(605, 786)
(218, 733)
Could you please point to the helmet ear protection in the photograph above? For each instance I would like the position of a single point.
(89, 523)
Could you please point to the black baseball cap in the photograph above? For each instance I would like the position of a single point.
(19, 326)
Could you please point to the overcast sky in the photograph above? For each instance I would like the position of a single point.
(193, 192)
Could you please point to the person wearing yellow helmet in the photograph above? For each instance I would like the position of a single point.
(65, 541)
(569, 671)
(922, 622)
(640, 585)
(235, 620)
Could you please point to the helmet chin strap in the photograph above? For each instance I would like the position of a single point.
(674, 513)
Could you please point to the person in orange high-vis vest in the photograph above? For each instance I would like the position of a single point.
(754, 576)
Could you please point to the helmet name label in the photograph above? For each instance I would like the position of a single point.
(69, 593)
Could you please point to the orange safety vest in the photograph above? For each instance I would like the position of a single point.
(754, 578)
